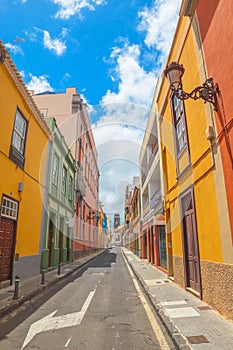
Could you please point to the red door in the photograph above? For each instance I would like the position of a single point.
(6, 248)
(152, 245)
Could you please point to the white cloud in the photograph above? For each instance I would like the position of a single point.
(64, 32)
(70, 8)
(66, 76)
(135, 84)
(55, 45)
(123, 113)
(118, 147)
(159, 22)
(121, 126)
(15, 49)
(31, 35)
(39, 84)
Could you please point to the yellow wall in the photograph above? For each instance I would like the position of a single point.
(30, 200)
(201, 173)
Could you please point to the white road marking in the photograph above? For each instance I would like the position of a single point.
(49, 322)
(174, 302)
(154, 324)
(182, 312)
(68, 342)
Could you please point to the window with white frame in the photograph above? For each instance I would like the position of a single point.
(179, 123)
(64, 177)
(70, 192)
(9, 208)
(18, 139)
(55, 170)
(19, 133)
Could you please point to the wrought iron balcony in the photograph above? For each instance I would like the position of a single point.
(80, 186)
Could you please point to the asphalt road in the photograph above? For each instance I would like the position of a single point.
(101, 307)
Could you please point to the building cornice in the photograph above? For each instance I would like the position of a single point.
(30, 105)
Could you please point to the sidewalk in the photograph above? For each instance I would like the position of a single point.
(32, 287)
(191, 322)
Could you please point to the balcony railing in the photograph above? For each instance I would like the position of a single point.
(154, 151)
(156, 199)
(151, 159)
(80, 186)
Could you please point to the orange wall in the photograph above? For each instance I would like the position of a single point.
(216, 27)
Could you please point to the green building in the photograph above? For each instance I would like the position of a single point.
(58, 218)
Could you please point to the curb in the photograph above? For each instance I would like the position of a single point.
(14, 304)
(177, 337)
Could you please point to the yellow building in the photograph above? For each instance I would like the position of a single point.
(200, 253)
(24, 139)
(101, 233)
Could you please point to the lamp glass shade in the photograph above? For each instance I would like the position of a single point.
(174, 73)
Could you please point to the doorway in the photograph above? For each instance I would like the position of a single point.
(190, 243)
(7, 242)
(61, 240)
(51, 238)
(162, 246)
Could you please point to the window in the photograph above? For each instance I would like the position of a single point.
(179, 122)
(55, 170)
(64, 176)
(70, 192)
(9, 208)
(80, 151)
(18, 139)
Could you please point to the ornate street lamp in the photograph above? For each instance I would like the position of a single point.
(207, 91)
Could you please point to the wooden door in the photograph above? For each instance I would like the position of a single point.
(192, 263)
(60, 240)
(6, 248)
(50, 240)
(68, 244)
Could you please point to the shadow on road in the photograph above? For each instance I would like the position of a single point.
(11, 321)
(105, 260)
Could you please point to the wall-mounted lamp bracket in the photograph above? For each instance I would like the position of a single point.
(207, 91)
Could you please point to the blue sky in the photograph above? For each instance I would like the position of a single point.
(111, 51)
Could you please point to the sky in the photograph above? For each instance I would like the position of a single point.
(112, 51)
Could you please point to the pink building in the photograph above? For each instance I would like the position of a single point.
(72, 118)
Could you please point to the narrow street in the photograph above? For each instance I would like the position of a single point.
(100, 308)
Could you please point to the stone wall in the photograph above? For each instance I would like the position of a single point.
(217, 286)
(178, 267)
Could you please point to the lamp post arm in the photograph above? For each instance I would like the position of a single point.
(207, 91)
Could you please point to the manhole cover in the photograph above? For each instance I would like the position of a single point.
(197, 339)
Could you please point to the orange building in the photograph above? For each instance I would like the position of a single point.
(196, 152)
(216, 27)
(24, 140)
